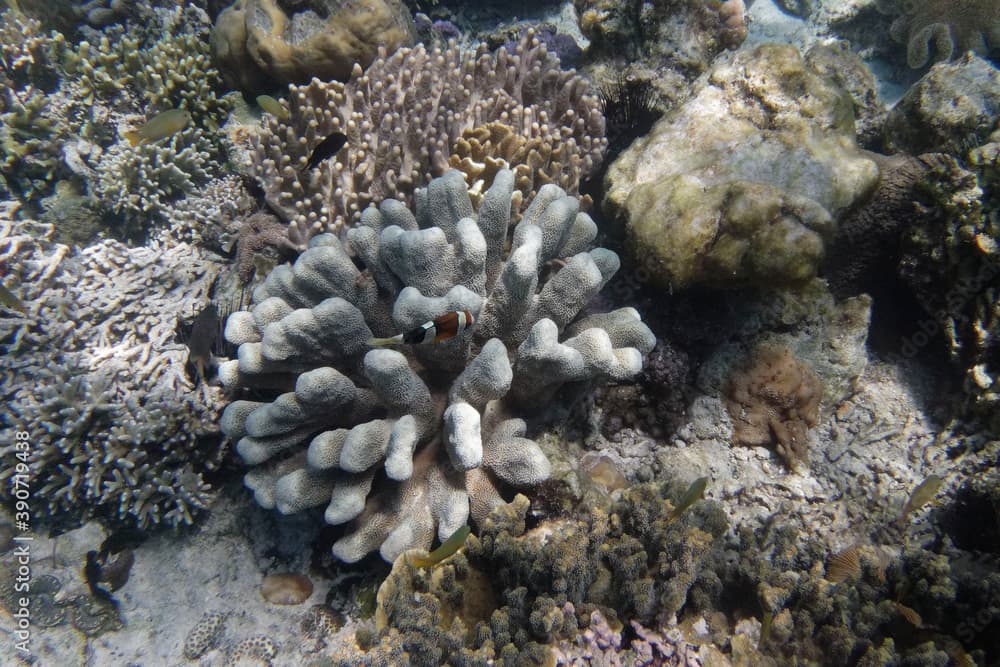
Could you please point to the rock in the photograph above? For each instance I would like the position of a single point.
(742, 184)
(947, 110)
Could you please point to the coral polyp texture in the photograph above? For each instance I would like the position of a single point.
(434, 418)
(402, 118)
(92, 372)
(936, 30)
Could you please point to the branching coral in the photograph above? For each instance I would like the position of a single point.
(434, 417)
(952, 27)
(403, 115)
(90, 373)
(513, 592)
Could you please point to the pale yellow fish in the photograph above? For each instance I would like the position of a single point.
(159, 126)
(14, 6)
(272, 106)
(922, 494)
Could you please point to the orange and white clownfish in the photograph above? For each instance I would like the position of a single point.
(441, 328)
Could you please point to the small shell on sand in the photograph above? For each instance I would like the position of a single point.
(286, 588)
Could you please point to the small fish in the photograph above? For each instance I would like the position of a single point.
(766, 621)
(694, 493)
(326, 149)
(439, 329)
(923, 494)
(9, 299)
(204, 331)
(272, 106)
(447, 548)
(159, 126)
(910, 614)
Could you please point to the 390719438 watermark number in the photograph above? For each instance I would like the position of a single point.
(21, 492)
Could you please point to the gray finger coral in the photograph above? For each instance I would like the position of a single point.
(402, 118)
(943, 29)
(434, 419)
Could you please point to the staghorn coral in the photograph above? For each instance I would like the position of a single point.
(774, 399)
(139, 181)
(256, 41)
(434, 417)
(403, 115)
(91, 364)
(30, 132)
(951, 27)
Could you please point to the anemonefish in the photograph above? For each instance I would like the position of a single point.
(437, 330)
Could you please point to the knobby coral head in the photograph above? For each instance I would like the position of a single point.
(413, 441)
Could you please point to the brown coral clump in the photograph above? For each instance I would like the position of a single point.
(535, 158)
(257, 38)
(774, 400)
(403, 115)
(951, 26)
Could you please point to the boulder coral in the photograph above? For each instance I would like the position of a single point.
(742, 184)
(435, 418)
(257, 43)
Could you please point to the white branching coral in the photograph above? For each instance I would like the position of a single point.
(95, 378)
(435, 419)
(402, 117)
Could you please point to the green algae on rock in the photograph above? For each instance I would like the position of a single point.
(743, 183)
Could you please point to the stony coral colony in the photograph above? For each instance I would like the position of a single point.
(432, 180)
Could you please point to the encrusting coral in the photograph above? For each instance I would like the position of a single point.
(774, 399)
(434, 417)
(91, 365)
(952, 27)
(403, 116)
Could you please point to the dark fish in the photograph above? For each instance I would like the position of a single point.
(439, 329)
(202, 339)
(326, 149)
(92, 575)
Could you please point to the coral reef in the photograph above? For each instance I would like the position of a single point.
(865, 253)
(952, 107)
(949, 261)
(433, 416)
(257, 43)
(91, 364)
(744, 182)
(774, 399)
(402, 117)
(61, 125)
(950, 27)
(682, 34)
(512, 592)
